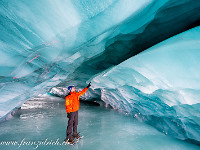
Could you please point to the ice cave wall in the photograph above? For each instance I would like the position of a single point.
(160, 85)
(57, 43)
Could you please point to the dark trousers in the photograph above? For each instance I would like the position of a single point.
(72, 122)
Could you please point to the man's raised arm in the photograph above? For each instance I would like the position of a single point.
(84, 90)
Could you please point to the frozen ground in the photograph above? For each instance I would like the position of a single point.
(45, 118)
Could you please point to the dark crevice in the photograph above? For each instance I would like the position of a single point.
(171, 19)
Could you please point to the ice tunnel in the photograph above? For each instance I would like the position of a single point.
(141, 56)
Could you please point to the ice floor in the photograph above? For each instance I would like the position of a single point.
(43, 119)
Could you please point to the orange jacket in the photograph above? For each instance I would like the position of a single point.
(72, 100)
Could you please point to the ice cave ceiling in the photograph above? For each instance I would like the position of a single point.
(46, 43)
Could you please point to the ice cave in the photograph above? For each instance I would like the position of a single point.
(142, 58)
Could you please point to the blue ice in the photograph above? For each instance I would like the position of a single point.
(133, 51)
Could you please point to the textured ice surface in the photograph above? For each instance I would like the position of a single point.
(44, 118)
(160, 85)
(58, 43)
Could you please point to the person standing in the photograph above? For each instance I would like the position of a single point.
(72, 107)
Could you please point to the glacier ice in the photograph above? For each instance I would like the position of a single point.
(160, 85)
(56, 43)
(46, 117)
(41, 48)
